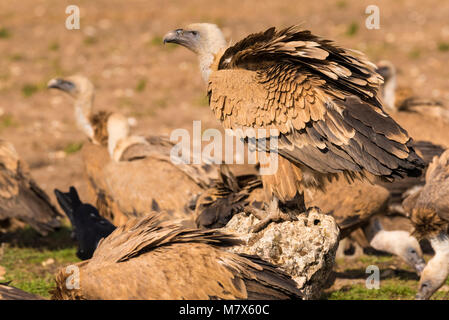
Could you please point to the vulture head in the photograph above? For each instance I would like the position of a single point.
(205, 39)
(88, 225)
(77, 86)
(437, 269)
(82, 90)
(400, 243)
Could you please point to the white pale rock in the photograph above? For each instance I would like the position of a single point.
(305, 249)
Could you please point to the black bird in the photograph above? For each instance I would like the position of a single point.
(89, 227)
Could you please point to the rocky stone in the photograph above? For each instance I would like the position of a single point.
(305, 249)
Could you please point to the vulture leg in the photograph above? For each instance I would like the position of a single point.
(274, 214)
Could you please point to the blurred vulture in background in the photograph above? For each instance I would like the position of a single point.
(94, 125)
(21, 199)
(399, 98)
(320, 99)
(429, 212)
(401, 188)
(424, 119)
(141, 176)
(125, 172)
(150, 259)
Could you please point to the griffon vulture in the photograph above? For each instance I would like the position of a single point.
(429, 212)
(20, 197)
(321, 101)
(129, 175)
(398, 98)
(94, 125)
(141, 176)
(150, 259)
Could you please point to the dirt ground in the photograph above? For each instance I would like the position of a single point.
(119, 47)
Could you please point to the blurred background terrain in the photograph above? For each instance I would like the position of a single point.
(119, 47)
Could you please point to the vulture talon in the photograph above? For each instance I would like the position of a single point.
(274, 215)
(258, 213)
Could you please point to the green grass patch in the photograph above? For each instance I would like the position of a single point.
(89, 40)
(54, 46)
(7, 121)
(415, 53)
(23, 253)
(202, 101)
(372, 259)
(16, 57)
(141, 85)
(160, 103)
(29, 89)
(443, 46)
(4, 33)
(352, 29)
(156, 41)
(73, 147)
(389, 290)
(341, 4)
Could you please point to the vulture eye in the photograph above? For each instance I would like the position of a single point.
(425, 284)
(195, 33)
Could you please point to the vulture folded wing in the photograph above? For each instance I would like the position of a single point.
(435, 193)
(139, 186)
(321, 99)
(10, 293)
(161, 148)
(149, 259)
(20, 197)
(226, 197)
(401, 188)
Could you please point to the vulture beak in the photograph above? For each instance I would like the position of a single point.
(414, 258)
(419, 267)
(425, 291)
(186, 38)
(61, 84)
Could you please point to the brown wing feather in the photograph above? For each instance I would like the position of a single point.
(160, 148)
(224, 198)
(176, 263)
(10, 293)
(435, 193)
(321, 98)
(135, 186)
(20, 197)
(400, 187)
(429, 208)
